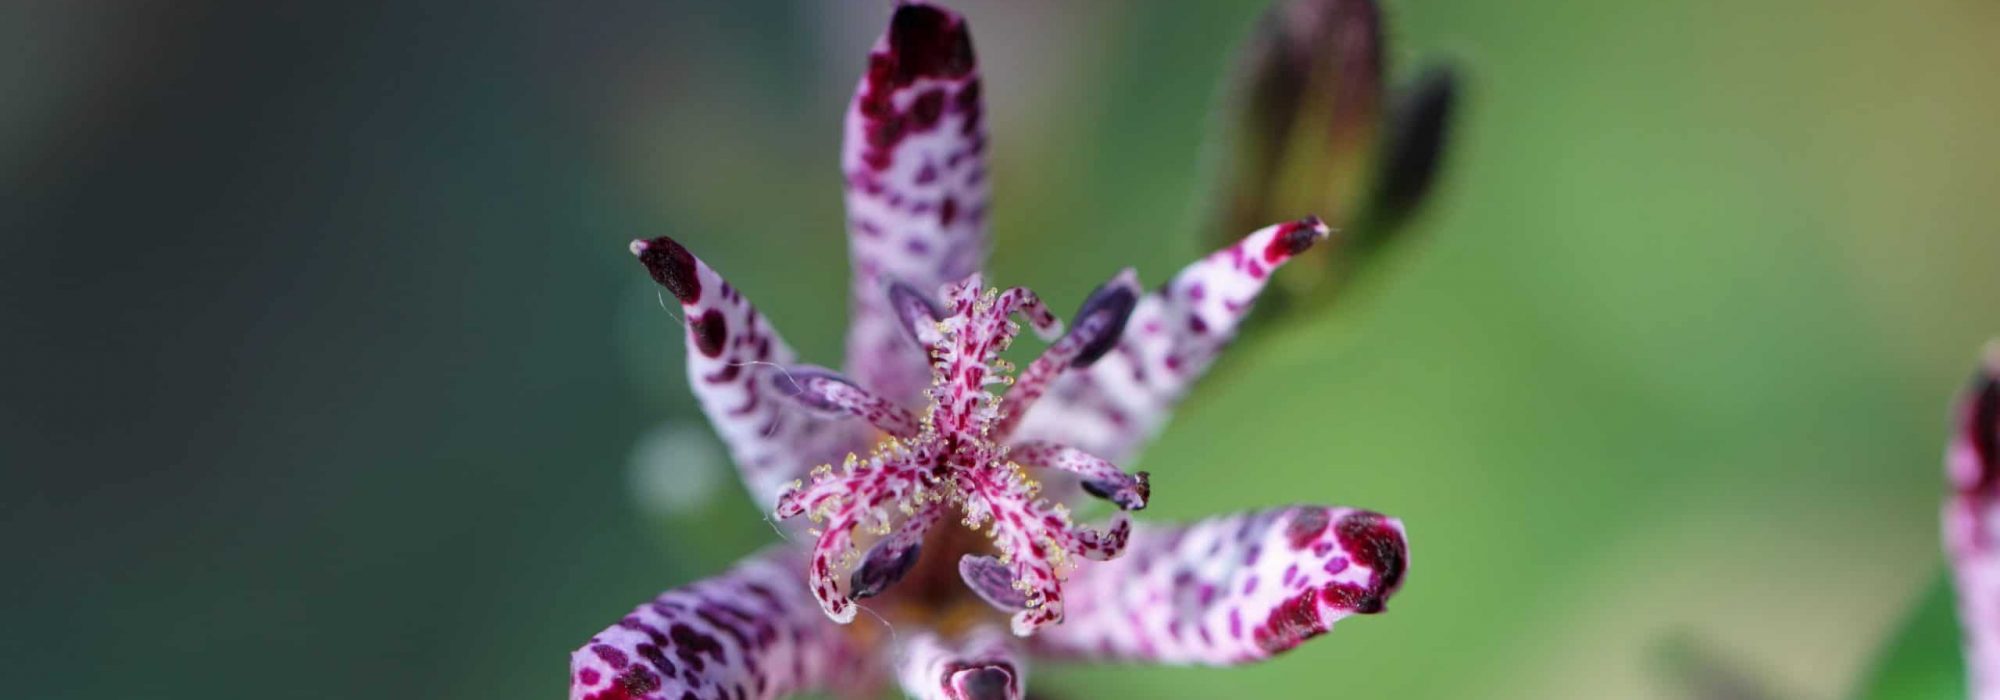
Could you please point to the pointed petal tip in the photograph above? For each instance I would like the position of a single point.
(928, 41)
(1317, 226)
(1973, 457)
(1295, 237)
(1378, 542)
(671, 265)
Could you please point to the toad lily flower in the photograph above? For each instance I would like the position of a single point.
(1972, 524)
(946, 510)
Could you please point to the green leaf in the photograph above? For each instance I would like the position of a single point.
(1924, 660)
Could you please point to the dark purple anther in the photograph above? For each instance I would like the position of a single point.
(913, 307)
(990, 579)
(1103, 315)
(1127, 495)
(882, 567)
(809, 387)
(670, 265)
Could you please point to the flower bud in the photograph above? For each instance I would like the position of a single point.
(1412, 151)
(1299, 125)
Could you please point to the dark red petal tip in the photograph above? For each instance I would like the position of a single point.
(1303, 233)
(1979, 426)
(1295, 237)
(1374, 543)
(927, 41)
(1113, 300)
(671, 265)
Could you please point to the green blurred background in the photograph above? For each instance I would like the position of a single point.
(326, 361)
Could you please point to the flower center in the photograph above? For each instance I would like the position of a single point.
(958, 458)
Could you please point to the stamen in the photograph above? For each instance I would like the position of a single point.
(993, 582)
(919, 314)
(1106, 310)
(893, 557)
(951, 457)
(1024, 301)
(824, 391)
(1099, 323)
(1100, 478)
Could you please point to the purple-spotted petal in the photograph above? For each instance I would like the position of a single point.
(1112, 408)
(732, 351)
(1972, 523)
(984, 665)
(752, 632)
(1232, 589)
(915, 167)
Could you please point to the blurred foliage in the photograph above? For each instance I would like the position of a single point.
(1922, 660)
(333, 358)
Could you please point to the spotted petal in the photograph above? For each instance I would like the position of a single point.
(1231, 590)
(732, 355)
(1112, 408)
(752, 632)
(1972, 524)
(985, 665)
(915, 167)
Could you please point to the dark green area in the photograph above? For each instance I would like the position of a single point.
(1922, 660)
